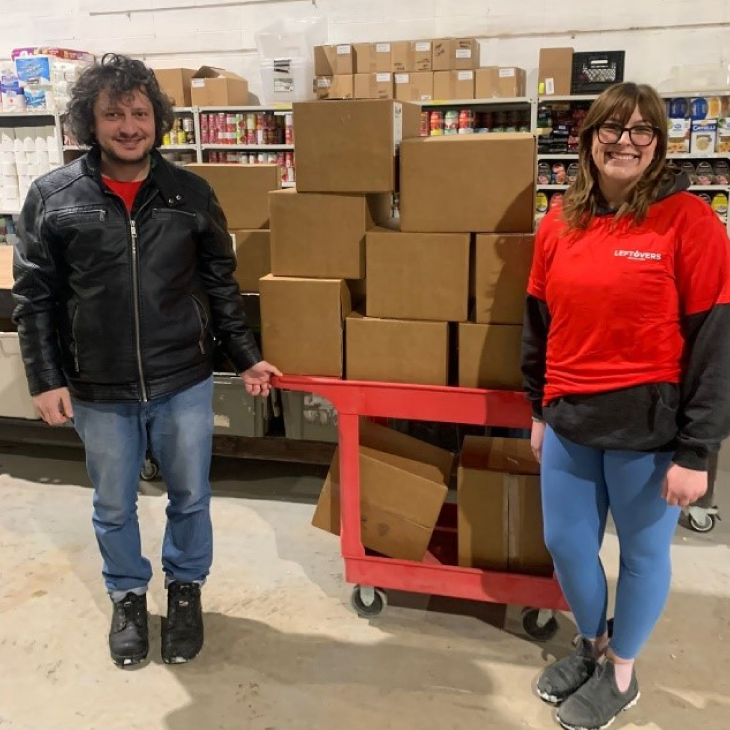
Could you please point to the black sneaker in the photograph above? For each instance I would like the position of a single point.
(182, 631)
(598, 702)
(128, 642)
(567, 675)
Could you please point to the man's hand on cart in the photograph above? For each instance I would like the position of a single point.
(257, 378)
(54, 406)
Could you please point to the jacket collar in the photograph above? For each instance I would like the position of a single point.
(676, 184)
(160, 175)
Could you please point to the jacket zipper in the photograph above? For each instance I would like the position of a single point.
(75, 341)
(135, 294)
(198, 310)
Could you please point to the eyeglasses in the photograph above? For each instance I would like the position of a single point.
(641, 135)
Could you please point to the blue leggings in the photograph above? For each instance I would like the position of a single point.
(579, 484)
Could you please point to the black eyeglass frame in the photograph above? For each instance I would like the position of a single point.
(630, 130)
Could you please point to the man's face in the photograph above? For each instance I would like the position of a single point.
(125, 128)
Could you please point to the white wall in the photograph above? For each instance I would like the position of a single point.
(656, 34)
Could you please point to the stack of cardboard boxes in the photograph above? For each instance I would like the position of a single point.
(445, 281)
(426, 70)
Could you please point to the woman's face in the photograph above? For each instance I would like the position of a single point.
(622, 157)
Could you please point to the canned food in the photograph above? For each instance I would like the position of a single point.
(572, 174)
(558, 174)
(556, 200)
(541, 203)
(451, 122)
(425, 124)
(437, 123)
(544, 174)
(719, 204)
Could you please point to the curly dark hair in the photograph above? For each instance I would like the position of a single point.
(119, 76)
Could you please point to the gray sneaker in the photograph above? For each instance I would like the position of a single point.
(598, 702)
(567, 675)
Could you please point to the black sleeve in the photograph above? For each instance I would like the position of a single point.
(36, 298)
(216, 264)
(534, 350)
(704, 416)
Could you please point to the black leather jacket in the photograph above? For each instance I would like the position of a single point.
(120, 307)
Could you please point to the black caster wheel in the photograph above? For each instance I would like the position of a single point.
(149, 470)
(706, 524)
(536, 627)
(367, 601)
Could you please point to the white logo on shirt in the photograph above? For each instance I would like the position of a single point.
(638, 255)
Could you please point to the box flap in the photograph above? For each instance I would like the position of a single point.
(512, 456)
(212, 72)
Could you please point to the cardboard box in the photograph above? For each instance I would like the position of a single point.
(422, 276)
(556, 71)
(490, 356)
(500, 523)
(461, 54)
(414, 86)
(15, 400)
(351, 146)
(253, 258)
(175, 82)
(441, 54)
(422, 55)
(449, 85)
(323, 236)
(335, 87)
(401, 57)
(374, 86)
(482, 183)
(336, 60)
(397, 351)
(501, 270)
(217, 87)
(373, 58)
(501, 83)
(402, 490)
(302, 324)
(242, 191)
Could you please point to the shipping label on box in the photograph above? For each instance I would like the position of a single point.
(422, 56)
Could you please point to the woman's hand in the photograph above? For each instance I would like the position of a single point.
(683, 486)
(536, 438)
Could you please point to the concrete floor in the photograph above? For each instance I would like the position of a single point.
(283, 648)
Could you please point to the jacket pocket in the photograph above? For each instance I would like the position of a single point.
(80, 216)
(202, 316)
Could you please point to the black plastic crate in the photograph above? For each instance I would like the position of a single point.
(594, 71)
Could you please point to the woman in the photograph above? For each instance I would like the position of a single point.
(626, 353)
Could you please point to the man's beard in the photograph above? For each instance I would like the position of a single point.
(117, 160)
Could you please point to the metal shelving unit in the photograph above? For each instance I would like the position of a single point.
(243, 147)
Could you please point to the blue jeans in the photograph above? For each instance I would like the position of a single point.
(178, 429)
(579, 485)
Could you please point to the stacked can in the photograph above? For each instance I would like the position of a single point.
(467, 120)
(437, 124)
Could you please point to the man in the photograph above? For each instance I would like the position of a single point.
(124, 276)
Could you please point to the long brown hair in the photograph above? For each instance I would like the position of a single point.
(617, 103)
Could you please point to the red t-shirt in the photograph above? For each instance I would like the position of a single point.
(127, 191)
(617, 295)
